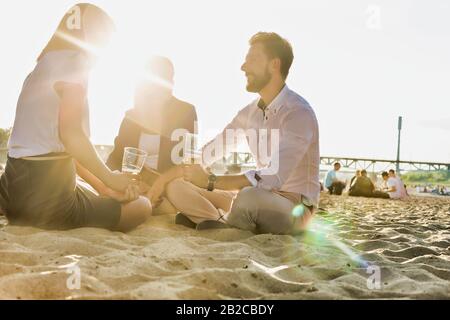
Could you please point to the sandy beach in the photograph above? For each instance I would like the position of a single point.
(409, 241)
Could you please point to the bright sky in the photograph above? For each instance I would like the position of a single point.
(359, 63)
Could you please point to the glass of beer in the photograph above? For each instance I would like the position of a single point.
(133, 160)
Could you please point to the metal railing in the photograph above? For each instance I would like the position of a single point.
(383, 164)
(243, 159)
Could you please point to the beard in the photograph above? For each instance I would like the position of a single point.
(258, 82)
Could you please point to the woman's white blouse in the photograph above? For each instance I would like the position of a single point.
(36, 126)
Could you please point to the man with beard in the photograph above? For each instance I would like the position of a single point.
(279, 197)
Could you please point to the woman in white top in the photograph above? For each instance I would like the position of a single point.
(50, 143)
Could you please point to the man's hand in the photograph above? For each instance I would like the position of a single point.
(196, 175)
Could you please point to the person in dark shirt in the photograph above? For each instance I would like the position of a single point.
(364, 187)
(149, 126)
(353, 180)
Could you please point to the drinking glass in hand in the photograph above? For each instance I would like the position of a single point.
(133, 161)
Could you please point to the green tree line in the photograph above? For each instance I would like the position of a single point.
(425, 177)
(4, 136)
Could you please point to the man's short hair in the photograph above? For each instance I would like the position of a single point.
(337, 164)
(276, 47)
(364, 171)
(384, 174)
(392, 171)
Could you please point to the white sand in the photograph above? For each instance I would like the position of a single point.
(409, 240)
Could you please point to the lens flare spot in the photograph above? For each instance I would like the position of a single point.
(298, 211)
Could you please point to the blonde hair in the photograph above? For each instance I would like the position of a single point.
(276, 47)
(84, 26)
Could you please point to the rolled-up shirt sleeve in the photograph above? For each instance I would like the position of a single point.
(296, 134)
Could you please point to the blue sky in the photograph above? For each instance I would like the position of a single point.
(359, 63)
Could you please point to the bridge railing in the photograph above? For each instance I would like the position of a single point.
(244, 159)
(384, 164)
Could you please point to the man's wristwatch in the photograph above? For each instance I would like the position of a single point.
(212, 178)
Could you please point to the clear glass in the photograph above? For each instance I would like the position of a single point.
(133, 160)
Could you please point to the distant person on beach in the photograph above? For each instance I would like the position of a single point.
(364, 187)
(384, 178)
(440, 190)
(435, 190)
(332, 183)
(149, 125)
(279, 199)
(353, 180)
(403, 192)
(392, 186)
(50, 142)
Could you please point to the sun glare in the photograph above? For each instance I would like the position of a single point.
(112, 83)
